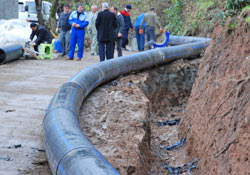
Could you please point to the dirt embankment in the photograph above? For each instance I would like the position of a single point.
(219, 106)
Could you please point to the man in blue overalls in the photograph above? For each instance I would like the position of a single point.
(78, 20)
(140, 37)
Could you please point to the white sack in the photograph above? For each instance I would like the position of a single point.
(14, 31)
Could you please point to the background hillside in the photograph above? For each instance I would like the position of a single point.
(179, 17)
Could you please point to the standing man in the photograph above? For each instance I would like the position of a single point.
(42, 34)
(118, 32)
(92, 30)
(65, 27)
(105, 25)
(78, 20)
(127, 24)
(140, 37)
(151, 20)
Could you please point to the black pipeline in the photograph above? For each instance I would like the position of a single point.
(10, 53)
(169, 122)
(183, 169)
(67, 148)
(176, 145)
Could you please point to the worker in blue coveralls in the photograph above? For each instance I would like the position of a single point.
(78, 20)
(140, 37)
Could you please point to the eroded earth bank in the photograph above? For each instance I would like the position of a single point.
(219, 108)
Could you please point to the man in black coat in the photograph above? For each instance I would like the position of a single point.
(43, 35)
(105, 25)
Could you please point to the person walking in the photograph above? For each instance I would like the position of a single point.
(65, 27)
(151, 20)
(105, 25)
(42, 34)
(92, 30)
(78, 21)
(127, 24)
(140, 38)
(118, 32)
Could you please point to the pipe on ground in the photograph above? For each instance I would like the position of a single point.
(67, 148)
(178, 40)
(10, 53)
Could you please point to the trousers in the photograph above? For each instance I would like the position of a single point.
(64, 41)
(150, 32)
(105, 49)
(94, 43)
(118, 44)
(140, 38)
(77, 36)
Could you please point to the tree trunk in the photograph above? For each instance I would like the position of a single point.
(52, 18)
(39, 11)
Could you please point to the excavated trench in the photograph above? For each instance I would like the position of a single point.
(168, 89)
(131, 120)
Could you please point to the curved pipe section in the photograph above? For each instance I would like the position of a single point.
(164, 43)
(67, 148)
(10, 53)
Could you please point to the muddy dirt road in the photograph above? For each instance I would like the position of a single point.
(26, 88)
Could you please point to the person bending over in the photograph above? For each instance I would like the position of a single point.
(42, 34)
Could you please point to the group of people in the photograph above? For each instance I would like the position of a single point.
(107, 29)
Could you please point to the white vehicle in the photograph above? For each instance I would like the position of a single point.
(27, 10)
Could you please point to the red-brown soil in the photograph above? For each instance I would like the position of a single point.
(219, 107)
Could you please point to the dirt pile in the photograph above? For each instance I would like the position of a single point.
(115, 119)
(218, 109)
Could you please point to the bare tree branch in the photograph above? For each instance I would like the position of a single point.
(52, 17)
(39, 11)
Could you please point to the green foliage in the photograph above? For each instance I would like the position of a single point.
(173, 16)
(221, 17)
(193, 24)
(205, 4)
(233, 7)
(247, 19)
(233, 23)
(245, 9)
(180, 17)
(201, 16)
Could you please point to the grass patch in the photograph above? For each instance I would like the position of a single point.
(204, 4)
(247, 19)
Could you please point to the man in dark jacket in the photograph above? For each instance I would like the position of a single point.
(105, 25)
(118, 32)
(43, 35)
(65, 27)
(127, 24)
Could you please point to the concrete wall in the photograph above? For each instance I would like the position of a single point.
(8, 9)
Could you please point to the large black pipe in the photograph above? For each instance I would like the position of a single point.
(178, 40)
(67, 148)
(10, 53)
